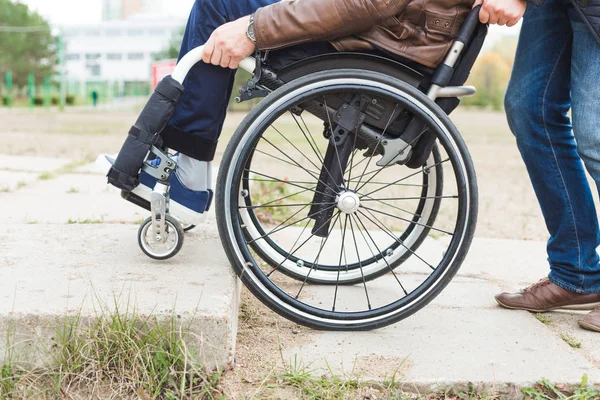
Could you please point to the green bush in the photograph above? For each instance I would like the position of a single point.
(70, 100)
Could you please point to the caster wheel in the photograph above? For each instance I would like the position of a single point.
(157, 249)
(188, 227)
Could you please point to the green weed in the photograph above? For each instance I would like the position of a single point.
(543, 319)
(571, 341)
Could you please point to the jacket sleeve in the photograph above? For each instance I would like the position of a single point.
(537, 3)
(291, 22)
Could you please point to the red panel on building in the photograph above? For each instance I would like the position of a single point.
(160, 69)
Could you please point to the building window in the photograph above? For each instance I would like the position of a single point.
(114, 56)
(135, 56)
(72, 57)
(92, 56)
(93, 32)
(94, 70)
(113, 32)
(157, 32)
(135, 32)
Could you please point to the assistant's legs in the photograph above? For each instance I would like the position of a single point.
(537, 105)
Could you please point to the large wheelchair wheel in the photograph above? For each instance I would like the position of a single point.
(399, 225)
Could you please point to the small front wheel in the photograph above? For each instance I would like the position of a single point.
(161, 248)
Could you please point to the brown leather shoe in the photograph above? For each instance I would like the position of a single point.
(591, 321)
(546, 296)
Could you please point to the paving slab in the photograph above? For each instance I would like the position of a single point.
(32, 164)
(13, 180)
(78, 198)
(48, 275)
(463, 337)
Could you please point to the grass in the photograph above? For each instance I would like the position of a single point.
(543, 319)
(571, 341)
(72, 190)
(546, 390)
(299, 381)
(4, 189)
(46, 176)
(86, 221)
(67, 169)
(118, 355)
(21, 184)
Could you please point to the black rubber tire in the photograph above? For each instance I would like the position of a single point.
(318, 318)
(189, 228)
(178, 231)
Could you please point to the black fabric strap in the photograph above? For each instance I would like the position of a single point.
(142, 136)
(170, 88)
(125, 179)
(189, 144)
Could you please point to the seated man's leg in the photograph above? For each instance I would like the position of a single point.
(198, 120)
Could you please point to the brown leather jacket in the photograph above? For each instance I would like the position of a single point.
(420, 30)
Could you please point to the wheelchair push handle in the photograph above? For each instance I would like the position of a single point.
(194, 56)
(468, 28)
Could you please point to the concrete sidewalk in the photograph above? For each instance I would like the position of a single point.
(464, 338)
(70, 238)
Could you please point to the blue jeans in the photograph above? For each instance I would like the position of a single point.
(557, 69)
(202, 109)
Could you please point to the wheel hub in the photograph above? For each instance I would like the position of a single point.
(348, 202)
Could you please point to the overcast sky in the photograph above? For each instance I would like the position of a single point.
(68, 12)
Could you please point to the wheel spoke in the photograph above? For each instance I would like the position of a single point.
(407, 220)
(278, 181)
(275, 230)
(317, 258)
(287, 197)
(282, 181)
(424, 170)
(409, 198)
(284, 205)
(298, 248)
(281, 159)
(382, 255)
(397, 239)
(294, 161)
(342, 253)
(313, 144)
(362, 274)
(356, 189)
(400, 152)
(392, 206)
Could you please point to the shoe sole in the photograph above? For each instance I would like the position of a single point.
(183, 214)
(589, 326)
(581, 307)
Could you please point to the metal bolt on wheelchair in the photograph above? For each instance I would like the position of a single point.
(347, 199)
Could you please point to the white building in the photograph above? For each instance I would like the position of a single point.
(116, 51)
(123, 9)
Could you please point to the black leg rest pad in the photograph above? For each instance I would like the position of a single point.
(144, 134)
(189, 144)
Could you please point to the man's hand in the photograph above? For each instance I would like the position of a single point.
(229, 45)
(501, 12)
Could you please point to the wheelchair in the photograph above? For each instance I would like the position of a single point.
(346, 199)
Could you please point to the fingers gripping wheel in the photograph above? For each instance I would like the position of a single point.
(164, 246)
(325, 234)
